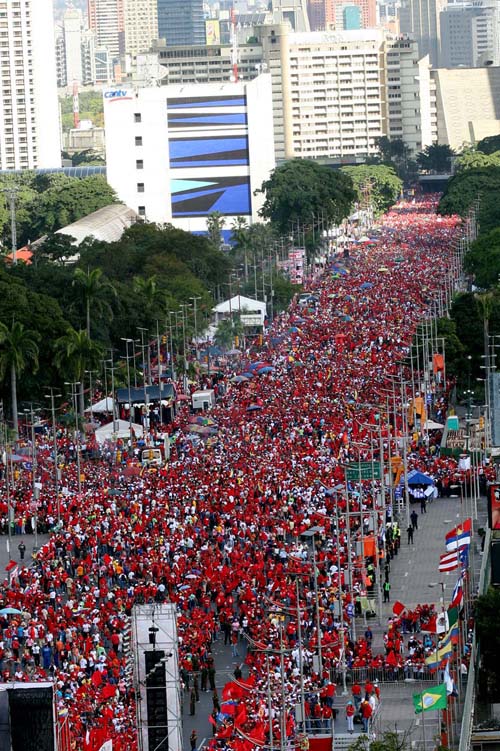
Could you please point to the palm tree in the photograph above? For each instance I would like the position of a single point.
(19, 347)
(75, 352)
(147, 289)
(95, 291)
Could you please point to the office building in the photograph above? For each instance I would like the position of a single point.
(178, 153)
(140, 25)
(328, 15)
(107, 20)
(292, 11)
(470, 35)
(181, 22)
(29, 110)
(73, 33)
(420, 20)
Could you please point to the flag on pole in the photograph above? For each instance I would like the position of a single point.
(458, 594)
(451, 689)
(433, 698)
(459, 536)
(451, 561)
(436, 657)
(398, 608)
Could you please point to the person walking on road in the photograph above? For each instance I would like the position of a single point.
(387, 591)
(349, 713)
(192, 702)
(423, 505)
(22, 549)
(192, 739)
(414, 519)
(409, 532)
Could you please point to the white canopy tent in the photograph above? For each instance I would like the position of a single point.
(431, 425)
(103, 405)
(118, 429)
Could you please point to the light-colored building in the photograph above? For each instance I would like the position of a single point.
(141, 25)
(29, 109)
(420, 20)
(470, 35)
(178, 153)
(107, 20)
(73, 31)
(328, 15)
(467, 104)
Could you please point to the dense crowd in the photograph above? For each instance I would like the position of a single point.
(217, 531)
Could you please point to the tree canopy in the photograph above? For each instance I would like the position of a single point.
(464, 188)
(483, 259)
(487, 615)
(435, 158)
(385, 185)
(300, 191)
(472, 159)
(489, 145)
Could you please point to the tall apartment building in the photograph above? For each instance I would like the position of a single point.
(329, 15)
(73, 37)
(470, 35)
(140, 25)
(420, 20)
(107, 20)
(29, 110)
(181, 22)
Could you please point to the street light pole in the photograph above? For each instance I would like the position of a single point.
(129, 389)
(51, 396)
(195, 299)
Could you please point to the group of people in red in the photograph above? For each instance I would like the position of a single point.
(218, 530)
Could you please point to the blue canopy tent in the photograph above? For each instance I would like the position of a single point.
(418, 478)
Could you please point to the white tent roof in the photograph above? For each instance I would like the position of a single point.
(108, 224)
(431, 425)
(103, 405)
(237, 303)
(107, 431)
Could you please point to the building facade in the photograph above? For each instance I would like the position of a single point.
(329, 15)
(420, 20)
(29, 109)
(178, 153)
(181, 22)
(140, 25)
(107, 20)
(470, 35)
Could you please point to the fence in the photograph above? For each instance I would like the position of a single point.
(385, 675)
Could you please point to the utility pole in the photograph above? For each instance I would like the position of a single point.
(195, 299)
(52, 396)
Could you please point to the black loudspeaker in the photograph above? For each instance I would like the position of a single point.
(156, 701)
(495, 563)
(32, 719)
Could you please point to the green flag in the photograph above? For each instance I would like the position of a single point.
(433, 698)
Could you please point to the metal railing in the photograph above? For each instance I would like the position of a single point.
(470, 692)
(386, 674)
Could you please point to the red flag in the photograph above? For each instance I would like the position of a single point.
(96, 678)
(241, 715)
(232, 691)
(229, 708)
(212, 721)
(398, 608)
(225, 732)
(108, 691)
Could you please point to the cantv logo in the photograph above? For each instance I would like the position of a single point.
(116, 95)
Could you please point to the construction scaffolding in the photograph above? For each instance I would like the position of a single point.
(156, 677)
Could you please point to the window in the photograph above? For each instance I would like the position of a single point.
(138, 140)
(140, 187)
(139, 164)
(141, 210)
(137, 117)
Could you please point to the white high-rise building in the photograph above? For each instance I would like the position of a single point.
(29, 109)
(73, 30)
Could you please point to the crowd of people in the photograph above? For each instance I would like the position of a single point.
(219, 529)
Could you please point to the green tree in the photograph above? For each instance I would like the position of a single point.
(65, 201)
(95, 292)
(483, 259)
(487, 616)
(470, 159)
(301, 190)
(87, 156)
(227, 330)
(215, 225)
(435, 158)
(75, 353)
(19, 348)
(385, 185)
(489, 145)
(463, 189)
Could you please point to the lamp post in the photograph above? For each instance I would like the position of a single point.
(195, 300)
(310, 534)
(74, 397)
(52, 397)
(127, 341)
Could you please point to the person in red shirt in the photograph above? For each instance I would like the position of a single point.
(350, 711)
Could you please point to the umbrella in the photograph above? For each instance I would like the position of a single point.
(182, 398)
(234, 352)
(294, 330)
(239, 379)
(346, 318)
(248, 374)
(384, 270)
(266, 369)
(256, 364)
(253, 407)
(366, 285)
(10, 611)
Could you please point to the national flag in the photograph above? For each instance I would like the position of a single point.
(436, 657)
(453, 625)
(458, 594)
(435, 625)
(451, 688)
(107, 746)
(459, 536)
(451, 561)
(398, 608)
(433, 698)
